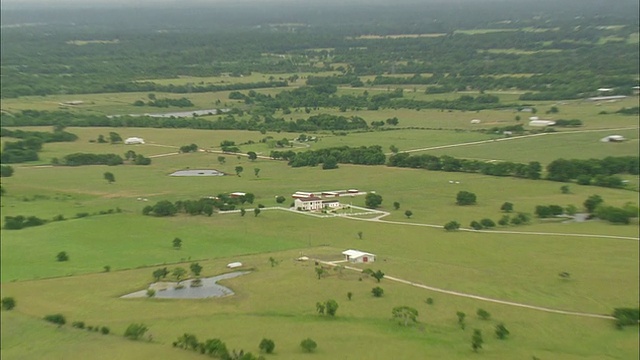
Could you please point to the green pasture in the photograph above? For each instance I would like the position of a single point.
(258, 309)
(548, 147)
(115, 103)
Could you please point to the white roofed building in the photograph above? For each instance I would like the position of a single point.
(134, 141)
(311, 203)
(357, 256)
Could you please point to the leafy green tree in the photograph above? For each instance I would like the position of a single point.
(570, 210)
(308, 345)
(565, 189)
(135, 331)
(405, 315)
(267, 346)
(252, 155)
(62, 256)
(329, 163)
(476, 340)
(239, 170)
(280, 199)
(461, 317)
(109, 177)
(349, 295)
(221, 160)
(151, 293)
(408, 213)
(256, 172)
(105, 330)
(394, 149)
(452, 225)
(243, 212)
(179, 272)
(475, 225)
(507, 207)
(465, 198)
(396, 205)
(320, 307)
(256, 211)
(360, 234)
(159, 273)
(8, 303)
(487, 223)
(592, 202)
(195, 269)
(372, 200)
(331, 307)
(57, 319)
(504, 220)
(377, 291)
(378, 275)
(320, 272)
(626, 317)
(501, 331)
(6, 170)
(177, 243)
(483, 314)
(114, 137)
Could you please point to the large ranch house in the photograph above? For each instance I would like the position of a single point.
(318, 201)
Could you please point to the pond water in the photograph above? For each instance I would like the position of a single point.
(208, 289)
(197, 173)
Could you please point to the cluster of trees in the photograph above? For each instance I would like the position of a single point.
(585, 171)
(485, 223)
(547, 211)
(20, 222)
(21, 151)
(136, 159)
(6, 170)
(79, 159)
(189, 148)
(216, 348)
(626, 317)
(363, 155)
(329, 307)
(81, 325)
(531, 170)
(165, 102)
(58, 134)
(206, 206)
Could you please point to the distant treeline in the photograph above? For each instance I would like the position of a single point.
(586, 170)
(203, 206)
(27, 149)
(598, 172)
(224, 122)
(448, 163)
(323, 94)
(363, 155)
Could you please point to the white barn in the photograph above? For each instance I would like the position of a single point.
(356, 256)
(134, 141)
(613, 138)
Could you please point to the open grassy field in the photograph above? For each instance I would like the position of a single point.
(514, 263)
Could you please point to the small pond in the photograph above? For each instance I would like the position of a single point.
(197, 173)
(208, 289)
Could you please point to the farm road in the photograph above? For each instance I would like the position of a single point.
(510, 138)
(476, 297)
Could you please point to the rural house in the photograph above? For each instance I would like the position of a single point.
(134, 141)
(356, 256)
(310, 203)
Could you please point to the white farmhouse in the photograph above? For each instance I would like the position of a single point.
(134, 141)
(356, 256)
(330, 204)
(311, 203)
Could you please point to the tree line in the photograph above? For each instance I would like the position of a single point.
(363, 155)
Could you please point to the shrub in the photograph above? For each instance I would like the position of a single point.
(78, 324)
(308, 345)
(483, 314)
(267, 345)
(452, 225)
(8, 303)
(487, 223)
(56, 319)
(377, 291)
(104, 330)
(62, 256)
(465, 198)
(135, 331)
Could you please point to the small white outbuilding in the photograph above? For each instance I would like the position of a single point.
(234, 265)
(475, 121)
(356, 256)
(613, 138)
(134, 141)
